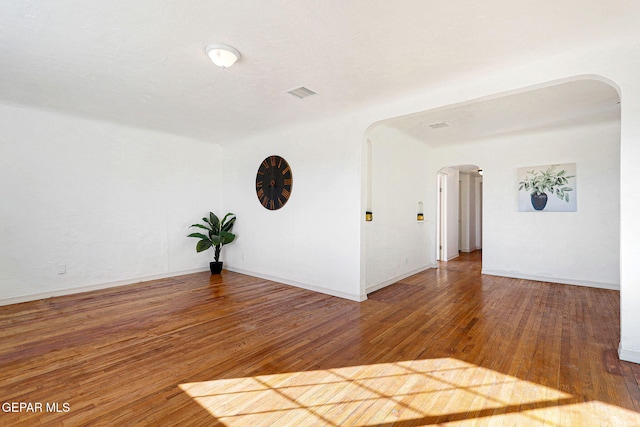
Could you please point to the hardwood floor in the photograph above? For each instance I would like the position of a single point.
(444, 347)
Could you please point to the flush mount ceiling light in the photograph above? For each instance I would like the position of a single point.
(222, 55)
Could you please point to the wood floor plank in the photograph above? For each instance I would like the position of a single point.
(447, 346)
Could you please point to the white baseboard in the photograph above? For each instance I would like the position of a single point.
(628, 355)
(378, 286)
(320, 289)
(70, 291)
(516, 275)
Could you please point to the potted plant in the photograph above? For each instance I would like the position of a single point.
(218, 234)
(538, 183)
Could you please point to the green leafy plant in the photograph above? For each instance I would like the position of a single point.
(218, 233)
(551, 181)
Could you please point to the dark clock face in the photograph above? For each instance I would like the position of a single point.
(273, 182)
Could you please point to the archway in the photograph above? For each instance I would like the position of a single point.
(547, 124)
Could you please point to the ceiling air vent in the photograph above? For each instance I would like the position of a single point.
(301, 92)
(439, 125)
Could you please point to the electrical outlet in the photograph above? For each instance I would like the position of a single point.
(62, 268)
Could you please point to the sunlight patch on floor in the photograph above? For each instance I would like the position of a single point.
(421, 392)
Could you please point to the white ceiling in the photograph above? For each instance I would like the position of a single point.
(569, 104)
(142, 62)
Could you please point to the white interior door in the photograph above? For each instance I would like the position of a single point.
(442, 215)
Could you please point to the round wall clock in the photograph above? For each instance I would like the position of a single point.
(273, 182)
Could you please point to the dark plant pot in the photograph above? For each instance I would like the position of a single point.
(539, 201)
(215, 267)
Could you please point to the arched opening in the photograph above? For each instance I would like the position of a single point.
(572, 121)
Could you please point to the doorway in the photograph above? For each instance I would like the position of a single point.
(459, 211)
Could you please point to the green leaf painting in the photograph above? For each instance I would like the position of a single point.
(555, 183)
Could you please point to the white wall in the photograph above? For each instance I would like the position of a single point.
(568, 247)
(111, 203)
(397, 244)
(313, 241)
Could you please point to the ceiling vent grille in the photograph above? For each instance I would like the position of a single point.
(439, 125)
(301, 92)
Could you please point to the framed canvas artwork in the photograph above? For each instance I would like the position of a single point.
(547, 188)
